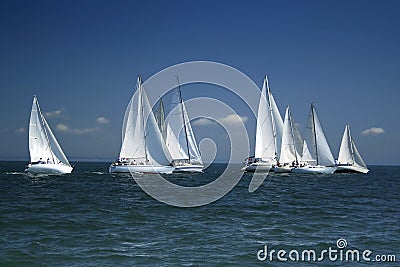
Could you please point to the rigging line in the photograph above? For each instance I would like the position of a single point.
(143, 125)
(351, 143)
(315, 133)
(291, 131)
(183, 118)
(272, 117)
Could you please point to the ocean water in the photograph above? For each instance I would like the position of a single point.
(92, 218)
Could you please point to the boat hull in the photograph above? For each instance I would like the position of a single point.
(258, 167)
(284, 169)
(351, 168)
(315, 170)
(189, 168)
(52, 169)
(140, 169)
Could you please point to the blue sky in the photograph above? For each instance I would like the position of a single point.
(82, 58)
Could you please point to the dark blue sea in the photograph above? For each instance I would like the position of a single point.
(93, 218)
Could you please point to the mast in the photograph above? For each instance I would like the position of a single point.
(144, 129)
(351, 143)
(183, 118)
(315, 133)
(272, 117)
(291, 132)
(44, 129)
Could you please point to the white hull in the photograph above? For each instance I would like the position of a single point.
(351, 168)
(315, 169)
(55, 169)
(283, 169)
(140, 169)
(188, 168)
(258, 166)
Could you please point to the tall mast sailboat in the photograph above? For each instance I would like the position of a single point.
(46, 154)
(349, 159)
(180, 138)
(143, 148)
(291, 145)
(320, 151)
(268, 133)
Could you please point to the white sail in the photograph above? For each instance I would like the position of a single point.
(345, 154)
(173, 145)
(194, 151)
(176, 136)
(289, 148)
(157, 151)
(320, 147)
(133, 135)
(357, 157)
(181, 141)
(42, 143)
(142, 139)
(306, 157)
(265, 146)
(58, 154)
(348, 153)
(38, 145)
(160, 118)
(298, 140)
(276, 119)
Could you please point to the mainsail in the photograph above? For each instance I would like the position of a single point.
(269, 126)
(291, 146)
(320, 147)
(42, 143)
(133, 135)
(277, 121)
(348, 153)
(180, 139)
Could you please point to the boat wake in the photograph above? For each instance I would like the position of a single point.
(15, 173)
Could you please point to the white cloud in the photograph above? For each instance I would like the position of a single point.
(54, 113)
(20, 130)
(202, 122)
(62, 127)
(84, 130)
(65, 128)
(373, 131)
(102, 120)
(233, 119)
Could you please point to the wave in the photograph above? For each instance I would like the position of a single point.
(15, 173)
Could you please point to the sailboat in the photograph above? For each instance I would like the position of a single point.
(291, 146)
(349, 159)
(268, 133)
(180, 138)
(324, 162)
(46, 154)
(143, 149)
